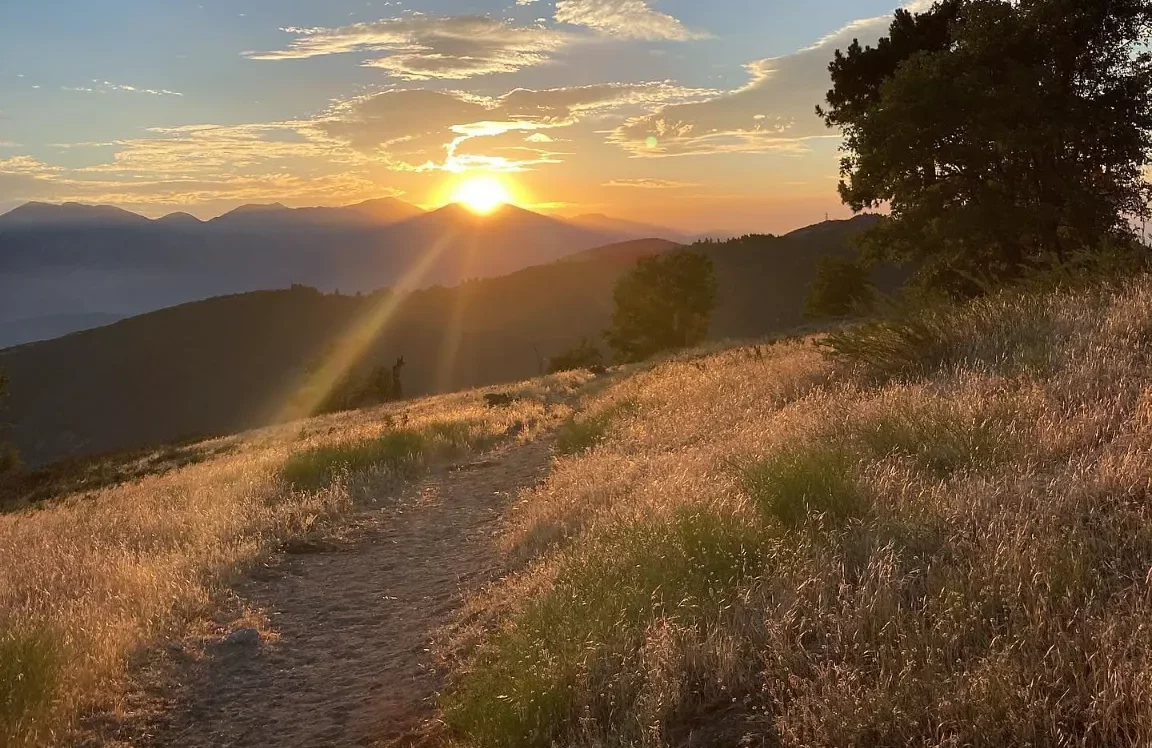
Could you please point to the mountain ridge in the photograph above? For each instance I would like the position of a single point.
(232, 362)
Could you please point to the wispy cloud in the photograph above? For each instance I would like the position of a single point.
(424, 130)
(99, 86)
(774, 112)
(650, 184)
(429, 47)
(629, 19)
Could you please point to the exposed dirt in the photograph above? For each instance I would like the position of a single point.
(342, 656)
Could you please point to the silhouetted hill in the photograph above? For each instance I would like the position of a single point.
(36, 214)
(632, 229)
(274, 217)
(629, 252)
(179, 219)
(229, 363)
(69, 260)
(52, 326)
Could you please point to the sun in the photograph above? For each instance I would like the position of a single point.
(481, 194)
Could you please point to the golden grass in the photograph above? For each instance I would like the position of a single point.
(941, 536)
(91, 579)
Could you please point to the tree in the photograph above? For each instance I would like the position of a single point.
(1001, 134)
(664, 303)
(841, 288)
(9, 457)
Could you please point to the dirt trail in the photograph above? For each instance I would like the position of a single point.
(351, 666)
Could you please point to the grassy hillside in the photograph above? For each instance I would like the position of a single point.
(87, 582)
(230, 363)
(934, 532)
(927, 531)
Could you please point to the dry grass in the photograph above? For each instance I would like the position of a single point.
(939, 536)
(91, 579)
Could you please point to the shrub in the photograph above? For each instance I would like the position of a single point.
(584, 356)
(909, 345)
(797, 484)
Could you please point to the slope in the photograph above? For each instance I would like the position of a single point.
(230, 363)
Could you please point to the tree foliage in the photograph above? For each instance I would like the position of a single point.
(9, 457)
(841, 288)
(664, 303)
(1001, 134)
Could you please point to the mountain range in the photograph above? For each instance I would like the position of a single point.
(84, 264)
(233, 362)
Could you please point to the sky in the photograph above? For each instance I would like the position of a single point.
(698, 115)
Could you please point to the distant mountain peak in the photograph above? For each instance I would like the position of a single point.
(179, 217)
(37, 212)
(257, 208)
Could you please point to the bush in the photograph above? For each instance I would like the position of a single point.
(584, 356)
(1011, 331)
(910, 345)
(797, 484)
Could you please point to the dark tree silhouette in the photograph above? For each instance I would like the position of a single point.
(9, 457)
(397, 388)
(1001, 134)
(841, 288)
(664, 303)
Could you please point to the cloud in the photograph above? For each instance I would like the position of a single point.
(650, 184)
(107, 86)
(199, 164)
(539, 137)
(429, 47)
(774, 112)
(424, 130)
(628, 19)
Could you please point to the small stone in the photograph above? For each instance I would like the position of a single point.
(245, 637)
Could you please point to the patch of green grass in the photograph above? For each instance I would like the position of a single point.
(401, 450)
(797, 484)
(30, 664)
(939, 441)
(572, 651)
(581, 434)
(316, 468)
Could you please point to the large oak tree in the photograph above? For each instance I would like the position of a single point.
(1000, 135)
